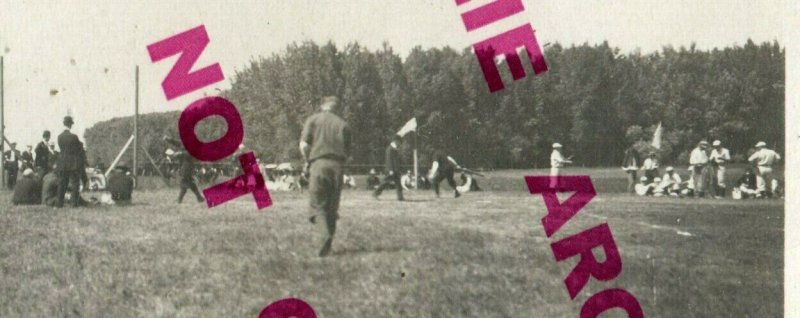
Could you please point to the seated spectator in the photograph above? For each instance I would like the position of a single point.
(50, 188)
(671, 183)
(120, 185)
(746, 186)
(28, 189)
(96, 179)
(644, 188)
(372, 180)
(407, 180)
(658, 189)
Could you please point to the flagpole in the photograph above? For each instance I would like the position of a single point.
(2, 124)
(416, 162)
(136, 128)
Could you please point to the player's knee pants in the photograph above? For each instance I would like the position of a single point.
(554, 173)
(325, 187)
(721, 176)
(764, 178)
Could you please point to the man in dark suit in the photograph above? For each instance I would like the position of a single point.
(42, 152)
(11, 163)
(69, 164)
(392, 169)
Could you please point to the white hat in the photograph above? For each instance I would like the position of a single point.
(169, 152)
(657, 179)
(761, 144)
(716, 143)
(670, 168)
(556, 145)
(643, 178)
(27, 172)
(703, 142)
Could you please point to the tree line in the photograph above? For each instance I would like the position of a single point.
(594, 100)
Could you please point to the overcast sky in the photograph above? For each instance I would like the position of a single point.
(87, 50)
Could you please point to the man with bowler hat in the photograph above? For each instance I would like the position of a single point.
(69, 164)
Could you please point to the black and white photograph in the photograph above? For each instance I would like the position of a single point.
(419, 158)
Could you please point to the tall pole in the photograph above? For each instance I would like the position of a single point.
(136, 127)
(416, 163)
(2, 124)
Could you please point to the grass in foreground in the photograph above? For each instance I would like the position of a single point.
(484, 255)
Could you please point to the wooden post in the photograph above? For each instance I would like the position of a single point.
(416, 163)
(136, 128)
(2, 126)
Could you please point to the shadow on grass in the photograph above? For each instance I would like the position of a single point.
(417, 200)
(365, 250)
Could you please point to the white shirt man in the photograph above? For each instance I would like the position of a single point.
(557, 161)
(698, 157)
(671, 181)
(765, 159)
(721, 156)
(698, 161)
(650, 163)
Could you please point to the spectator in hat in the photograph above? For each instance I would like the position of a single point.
(765, 159)
(557, 161)
(42, 153)
(650, 167)
(27, 158)
(671, 182)
(644, 187)
(658, 190)
(11, 160)
(698, 160)
(719, 158)
(71, 161)
(28, 190)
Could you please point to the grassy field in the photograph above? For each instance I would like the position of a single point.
(483, 255)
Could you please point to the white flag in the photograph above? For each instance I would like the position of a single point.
(411, 125)
(657, 137)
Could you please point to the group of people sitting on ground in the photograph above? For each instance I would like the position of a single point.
(35, 189)
(707, 174)
(53, 177)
